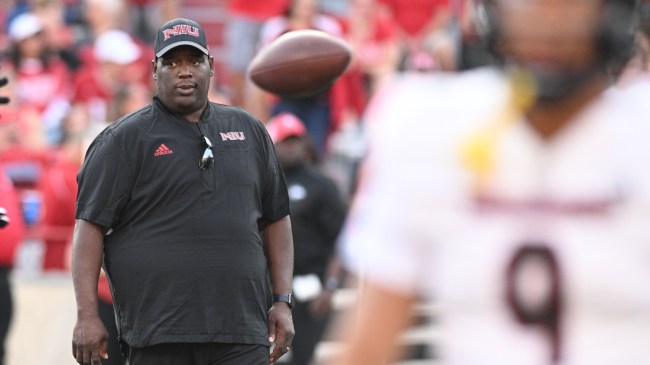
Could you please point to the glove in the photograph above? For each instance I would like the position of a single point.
(4, 220)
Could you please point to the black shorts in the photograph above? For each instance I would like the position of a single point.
(200, 354)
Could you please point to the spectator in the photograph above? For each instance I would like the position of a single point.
(116, 61)
(42, 79)
(128, 98)
(423, 25)
(104, 15)
(374, 38)
(58, 35)
(317, 214)
(315, 111)
(26, 153)
(99, 17)
(58, 186)
(145, 15)
(245, 20)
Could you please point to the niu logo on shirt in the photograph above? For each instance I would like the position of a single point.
(163, 150)
(232, 136)
(181, 29)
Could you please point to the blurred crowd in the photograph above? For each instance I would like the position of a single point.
(74, 66)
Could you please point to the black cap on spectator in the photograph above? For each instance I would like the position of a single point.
(179, 32)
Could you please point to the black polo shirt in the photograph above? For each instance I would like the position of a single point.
(184, 256)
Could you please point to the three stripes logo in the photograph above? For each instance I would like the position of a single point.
(163, 150)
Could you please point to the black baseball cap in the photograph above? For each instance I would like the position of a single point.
(179, 32)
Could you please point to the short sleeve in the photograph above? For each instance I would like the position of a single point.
(275, 198)
(104, 181)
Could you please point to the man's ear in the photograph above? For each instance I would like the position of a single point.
(211, 63)
(154, 67)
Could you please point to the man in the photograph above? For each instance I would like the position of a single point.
(317, 214)
(518, 204)
(185, 205)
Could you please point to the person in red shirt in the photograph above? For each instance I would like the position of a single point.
(58, 187)
(320, 112)
(421, 23)
(116, 61)
(41, 78)
(374, 38)
(242, 37)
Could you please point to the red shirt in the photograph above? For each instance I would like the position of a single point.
(12, 235)
(413, 16)
(58, 187)
(38, 85)
(257, 9)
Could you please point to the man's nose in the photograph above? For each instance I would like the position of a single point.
(184, 70)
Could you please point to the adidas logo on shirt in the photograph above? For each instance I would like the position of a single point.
(163, 150)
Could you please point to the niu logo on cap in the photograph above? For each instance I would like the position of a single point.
(233, 136)
(163, 150)
(181, 29)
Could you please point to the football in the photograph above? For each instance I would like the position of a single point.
(300, 63)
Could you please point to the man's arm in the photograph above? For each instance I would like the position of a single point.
(278, 242)
(89, 339)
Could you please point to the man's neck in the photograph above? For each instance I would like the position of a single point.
(195, 116)
(548, 117)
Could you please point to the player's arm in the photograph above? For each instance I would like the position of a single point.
(89, 340)
(278, 242)
(371, 328)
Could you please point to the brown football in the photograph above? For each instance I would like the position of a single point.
(300, 63)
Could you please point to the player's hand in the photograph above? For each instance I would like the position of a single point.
(89, 341)
(280, 330)
(4, 219)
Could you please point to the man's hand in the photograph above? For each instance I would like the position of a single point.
(89, 341)
(280, 330)
(4, 219)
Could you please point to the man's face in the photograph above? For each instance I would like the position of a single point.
(183, 79)
(549, 36)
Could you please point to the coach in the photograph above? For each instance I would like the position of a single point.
(184, 204)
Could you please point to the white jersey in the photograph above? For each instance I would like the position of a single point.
(577, 206)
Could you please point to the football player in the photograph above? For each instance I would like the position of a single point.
(515, 198)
